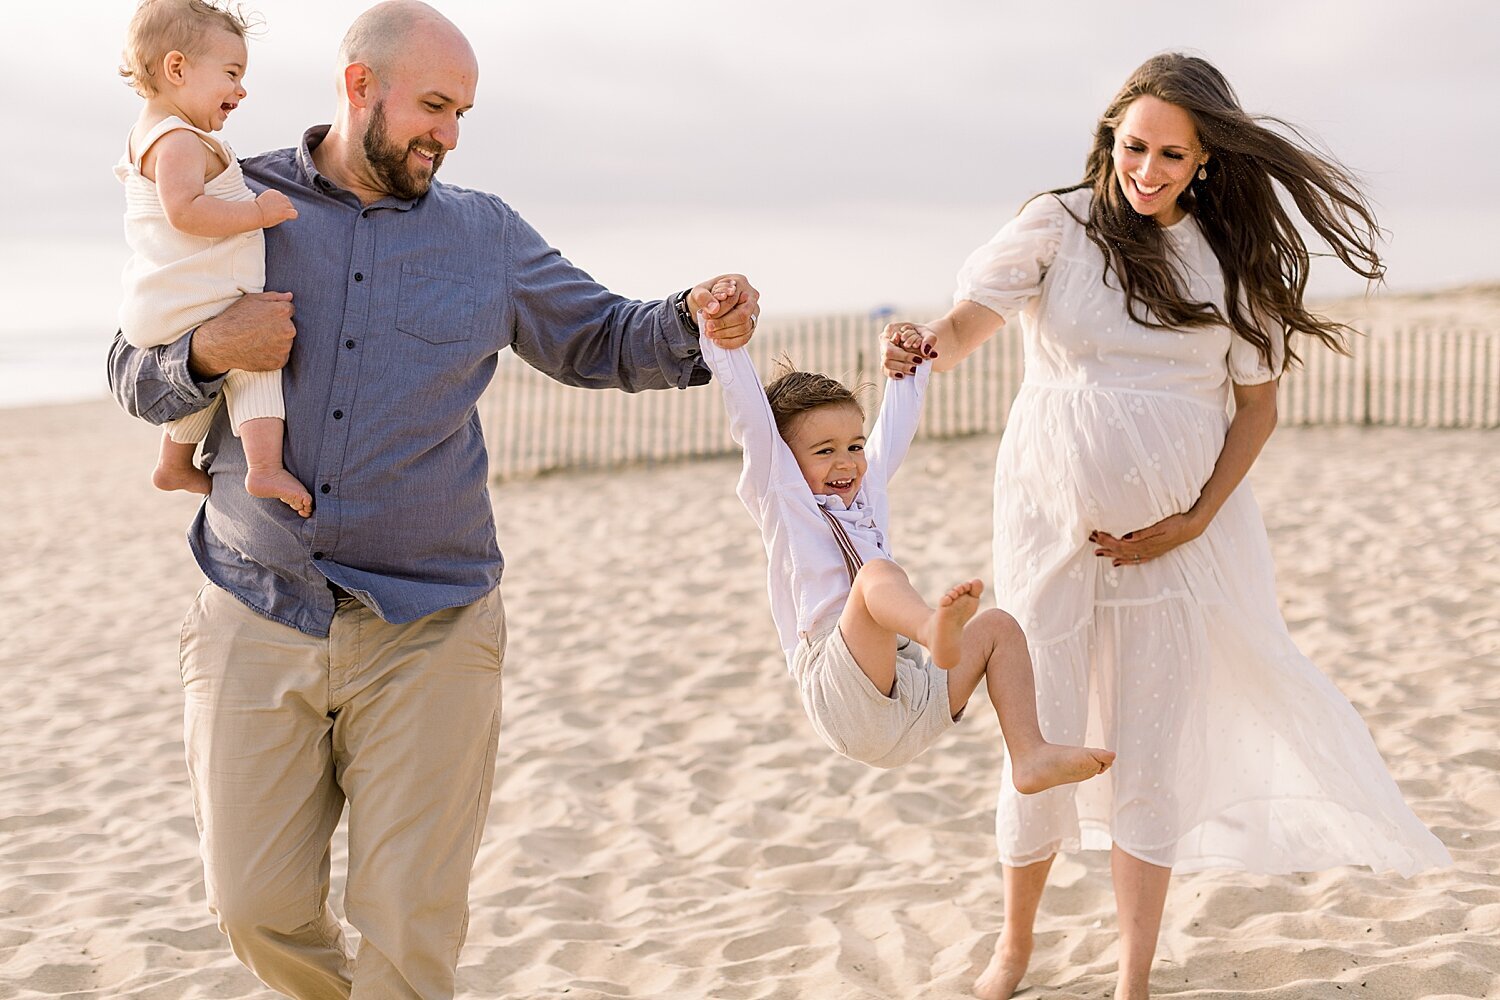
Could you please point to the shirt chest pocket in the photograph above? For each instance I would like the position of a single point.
(435, 306)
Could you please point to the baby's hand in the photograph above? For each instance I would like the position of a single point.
(275, 208)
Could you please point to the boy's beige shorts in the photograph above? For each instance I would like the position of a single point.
(859, 720)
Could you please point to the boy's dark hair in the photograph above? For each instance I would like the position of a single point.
(793, 393)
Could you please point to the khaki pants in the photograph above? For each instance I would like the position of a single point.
(282, 728)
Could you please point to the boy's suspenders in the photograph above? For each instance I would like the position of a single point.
(852, 561)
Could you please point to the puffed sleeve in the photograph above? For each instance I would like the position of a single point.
(1007, 272)
(1247, 366)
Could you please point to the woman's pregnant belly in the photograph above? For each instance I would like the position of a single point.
(1076, 460)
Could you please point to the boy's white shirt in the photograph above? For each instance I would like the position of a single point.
(806, 575)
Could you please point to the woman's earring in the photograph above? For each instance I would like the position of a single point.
(1203, 173)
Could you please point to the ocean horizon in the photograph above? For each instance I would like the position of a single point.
(53, 367)
(68, 364)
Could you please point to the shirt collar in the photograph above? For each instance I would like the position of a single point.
(316, 180)
(835, 504)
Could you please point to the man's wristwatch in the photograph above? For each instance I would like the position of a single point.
(684, 311)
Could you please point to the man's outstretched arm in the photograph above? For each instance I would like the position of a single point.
(573, 329)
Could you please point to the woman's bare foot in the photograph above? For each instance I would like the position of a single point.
(279, 484)
(1007, 966)
(1052, 764)
(944, 634)
(189, 478)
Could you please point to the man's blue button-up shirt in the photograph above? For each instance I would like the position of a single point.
(401, 310)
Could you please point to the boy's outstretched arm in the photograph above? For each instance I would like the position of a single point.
(901, 406)
(751, 422)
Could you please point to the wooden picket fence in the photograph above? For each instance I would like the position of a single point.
(1398, 377)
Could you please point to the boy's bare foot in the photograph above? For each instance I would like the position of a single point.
(1005, 971)
(189, 478)
(944, 636)
(1054, 764)
(279, 484)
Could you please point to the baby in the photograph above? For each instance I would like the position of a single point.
(194, 228)
(816, 486)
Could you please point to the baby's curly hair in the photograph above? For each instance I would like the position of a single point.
(794, 393)
(162, 26)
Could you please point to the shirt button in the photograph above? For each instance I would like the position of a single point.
(349, 344)
(317, 555)
(365, 214)
(324, 488)
(359, 276)
(338, 414)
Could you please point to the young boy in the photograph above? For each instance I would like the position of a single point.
(816, 486)
(194, 228)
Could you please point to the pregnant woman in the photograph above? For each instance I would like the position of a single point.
(1165, 286)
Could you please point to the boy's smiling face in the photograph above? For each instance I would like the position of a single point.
(829, 444)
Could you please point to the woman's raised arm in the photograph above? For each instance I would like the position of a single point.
(957, 335)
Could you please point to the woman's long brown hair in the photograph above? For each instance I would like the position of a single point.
(1263, 257)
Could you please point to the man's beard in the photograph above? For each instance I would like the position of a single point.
(389, 162)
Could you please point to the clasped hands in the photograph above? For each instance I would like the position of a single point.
(904, 346)
(729, 307)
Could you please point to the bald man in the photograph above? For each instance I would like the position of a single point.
(355, 656)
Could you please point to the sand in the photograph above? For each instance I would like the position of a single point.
(665, 823)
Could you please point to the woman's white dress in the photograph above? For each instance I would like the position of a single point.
(1234, 750)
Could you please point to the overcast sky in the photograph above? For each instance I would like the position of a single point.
(842, 154)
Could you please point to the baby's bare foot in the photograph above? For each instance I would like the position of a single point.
(279, 484)
(1053, 764)
(189, 478)
(944, 635)
(1007, 966)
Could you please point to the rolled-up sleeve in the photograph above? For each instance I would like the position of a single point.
(155, 383)
(573, 329)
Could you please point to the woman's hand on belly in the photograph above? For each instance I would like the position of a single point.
(1145, 544)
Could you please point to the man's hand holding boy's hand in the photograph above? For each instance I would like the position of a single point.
(730, 308)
